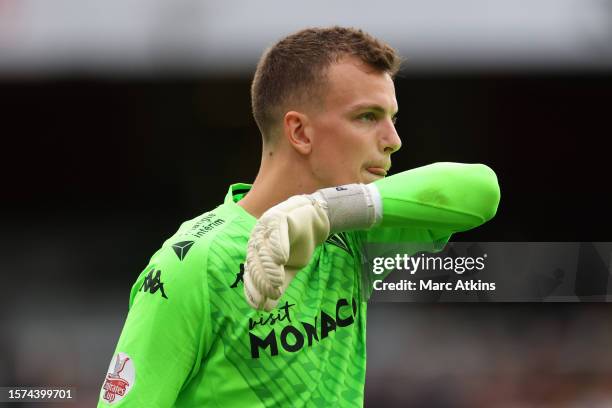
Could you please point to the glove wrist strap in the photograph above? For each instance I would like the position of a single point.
(351, 206)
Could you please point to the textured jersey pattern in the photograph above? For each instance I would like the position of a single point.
(207, 347)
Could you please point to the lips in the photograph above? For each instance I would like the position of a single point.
(379, 171)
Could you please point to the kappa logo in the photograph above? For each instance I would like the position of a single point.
(181, 248)
(152, 283)
(119, 379)
(340, 241)
(239, 277)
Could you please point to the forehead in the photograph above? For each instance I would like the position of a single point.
(352, 82)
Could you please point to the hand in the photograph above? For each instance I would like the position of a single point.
(281, 244)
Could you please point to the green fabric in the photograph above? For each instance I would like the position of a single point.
(441, 196)
(202, 345)
(423, 207)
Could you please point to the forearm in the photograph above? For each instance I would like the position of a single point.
(445, 196)
(428, 203)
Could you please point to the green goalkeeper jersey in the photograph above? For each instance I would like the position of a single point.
(191, 339)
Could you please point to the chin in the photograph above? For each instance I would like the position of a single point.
(368, 177)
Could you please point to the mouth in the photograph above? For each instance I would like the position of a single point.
(378, 171)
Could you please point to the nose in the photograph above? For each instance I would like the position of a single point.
(391, 141)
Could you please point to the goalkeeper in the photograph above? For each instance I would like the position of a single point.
(289, 327)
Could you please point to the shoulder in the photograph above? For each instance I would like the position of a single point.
(215, 237)
(198, 236)
(214, 234)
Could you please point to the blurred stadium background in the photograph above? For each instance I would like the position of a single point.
(119, 120)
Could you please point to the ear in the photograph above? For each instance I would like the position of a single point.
(295, 127)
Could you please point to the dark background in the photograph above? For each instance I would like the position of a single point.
(78, 148)
(98, 172)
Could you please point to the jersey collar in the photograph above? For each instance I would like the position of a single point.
(235, 194)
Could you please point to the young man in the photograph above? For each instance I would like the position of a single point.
(325, 103)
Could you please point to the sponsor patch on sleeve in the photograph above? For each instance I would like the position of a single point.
(119, 379)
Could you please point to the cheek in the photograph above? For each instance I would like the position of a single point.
(339, 154)
(331, 142)
(327, 161)
(339, 164)
(340, 151)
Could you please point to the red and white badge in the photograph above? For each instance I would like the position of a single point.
(119, 379)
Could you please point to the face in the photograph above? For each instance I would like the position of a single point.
(353, 135)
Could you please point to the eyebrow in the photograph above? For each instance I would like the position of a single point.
(374, 107)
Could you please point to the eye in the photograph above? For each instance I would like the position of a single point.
(368, 117)
(394, 119)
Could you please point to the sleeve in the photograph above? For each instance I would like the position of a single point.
(166, 333)
(423, 207)
(441, 196)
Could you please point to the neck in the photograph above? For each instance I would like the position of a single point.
(282, 174)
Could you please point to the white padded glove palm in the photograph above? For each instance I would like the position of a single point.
(285, 237)
(281, 243)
